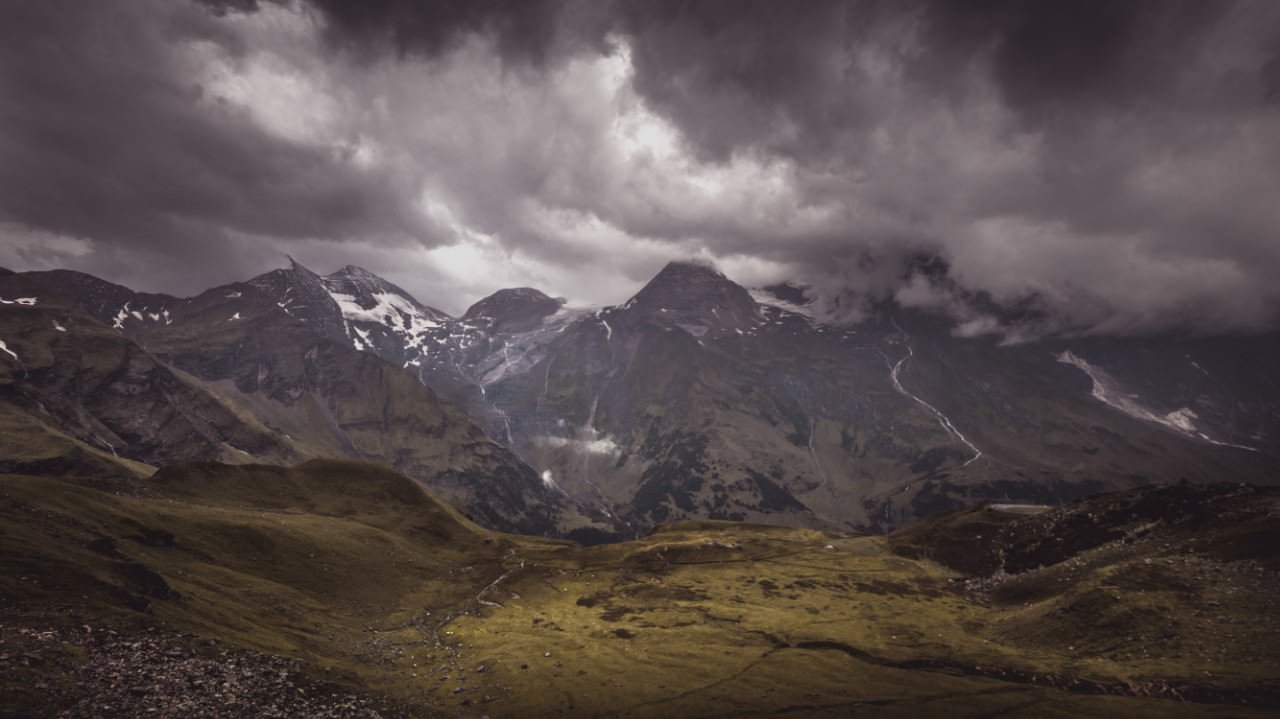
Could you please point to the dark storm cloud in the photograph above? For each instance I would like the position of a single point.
(729, 71)
(522, 30)
(1093, 166)
(744, 72)
(1072, 56)
(1142, 117)
(222, 7)
(107, 133)
(736, 74)
(1270, 75)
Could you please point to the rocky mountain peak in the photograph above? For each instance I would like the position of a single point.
(367, 289)
(689, 268)
(513, 309)
(689, 290)
(296, 275)
(301, 294)
(299, 275)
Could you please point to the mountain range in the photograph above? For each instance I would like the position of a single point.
(307, 495)
(697, 398)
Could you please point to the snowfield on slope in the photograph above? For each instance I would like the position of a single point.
(1107, 389)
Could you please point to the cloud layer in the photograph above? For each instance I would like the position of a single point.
(1028, 168)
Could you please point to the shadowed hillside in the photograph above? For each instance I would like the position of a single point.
(231, 376)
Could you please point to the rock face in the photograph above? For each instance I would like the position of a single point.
(695, 297)
(697, 398)
(511, 311)
(240, 373)
(700, 398)
(79, 397)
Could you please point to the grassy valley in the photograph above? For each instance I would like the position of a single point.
(369, 596)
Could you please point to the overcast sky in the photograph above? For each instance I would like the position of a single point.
(1102, 166)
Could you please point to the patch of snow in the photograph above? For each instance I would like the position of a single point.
(393, 311)
(1182, 419)
(600, 445)
(118, 321)
(5, 348)
(232, 295)
(59, 327)
(234, 317)
(286, 302)
(389, 309)
(1106, 389)
(136, 315)
(27, 301)
(362, 336)
(549, 481)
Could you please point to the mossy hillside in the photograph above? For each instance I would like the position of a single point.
(373, 583)
(29, 445)
(233, 559)
(709, 619)
(1174, 581)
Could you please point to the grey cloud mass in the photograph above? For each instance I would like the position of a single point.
(1027, 168)
(109, 135)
